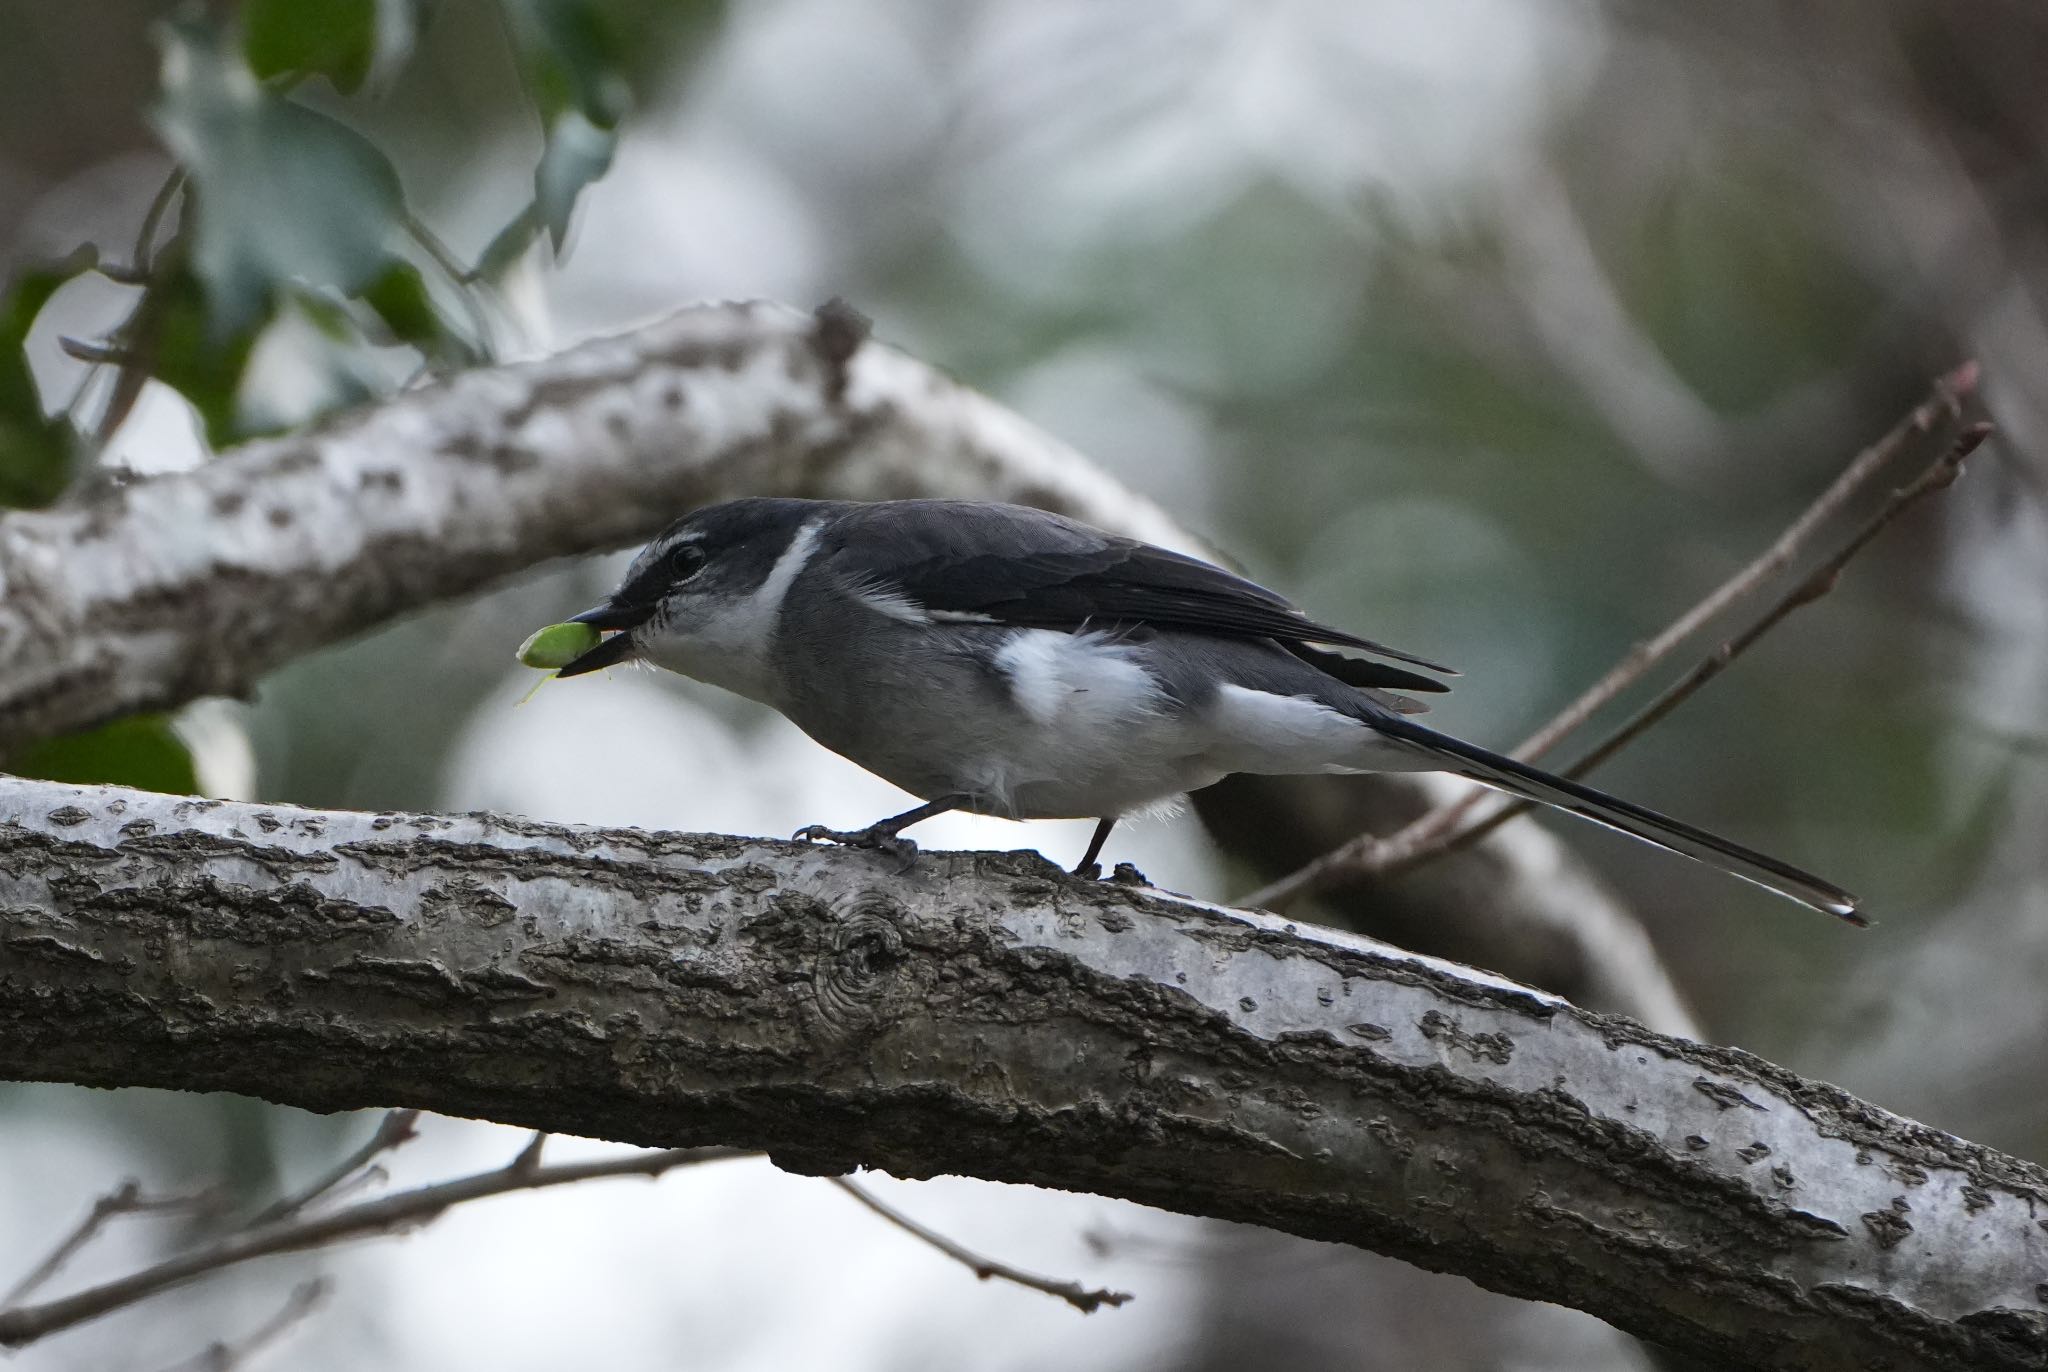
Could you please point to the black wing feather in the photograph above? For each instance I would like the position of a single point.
(1033, 570)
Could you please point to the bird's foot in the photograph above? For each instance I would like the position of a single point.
(875, 837)
(1125, 874)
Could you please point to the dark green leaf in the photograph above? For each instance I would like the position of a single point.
(279, 192)
(37, 453)
(142, 751)
(572, 60)
(576, 75)
(197, 359)
(399, 296)
(332, 38)
(577, 153)
(37, 459)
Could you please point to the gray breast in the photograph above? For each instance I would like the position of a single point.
(919, 705)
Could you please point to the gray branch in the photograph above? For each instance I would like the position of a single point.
(155, 593)
(989, 1016)
(152, 593)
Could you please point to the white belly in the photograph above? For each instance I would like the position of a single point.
(1094, 735)
(1090, 734)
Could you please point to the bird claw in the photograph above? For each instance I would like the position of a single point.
(1088, 871)
(879, 840)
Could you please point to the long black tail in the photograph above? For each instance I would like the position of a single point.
(1533, 783)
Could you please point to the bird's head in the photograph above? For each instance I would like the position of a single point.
(702, 599)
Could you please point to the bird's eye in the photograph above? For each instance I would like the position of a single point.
(685, 560)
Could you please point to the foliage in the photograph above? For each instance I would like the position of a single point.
(142, 750)
(279, 208)
(37, 452)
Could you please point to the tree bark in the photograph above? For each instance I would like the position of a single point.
(153, 592)
(157, 592)
(985, 1014)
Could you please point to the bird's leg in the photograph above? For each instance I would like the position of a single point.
(1088, 867)
(883, 834)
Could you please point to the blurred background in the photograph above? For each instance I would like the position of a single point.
(1500, 330)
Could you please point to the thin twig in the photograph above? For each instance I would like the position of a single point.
(1427, 833)
(143, 260)
(137, 338)
(464, 280)
(368, 1179)
(396, 1128)
(1082, 1298)
(222, 1356)
(388, 1214)
(125, 1199)
(527, 1164)
(1937, 477)
(133, 343)
(95, 351)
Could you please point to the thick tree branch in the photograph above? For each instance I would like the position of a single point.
(987, 1015)
(1519, 903)
(154, 593)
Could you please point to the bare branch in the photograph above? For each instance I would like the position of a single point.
(89, 350)
(305, 1298)
(143, 259)
(125, 1199)
(1937, 477)
(1085, 1299)
(986, 1015)
(386, 1215)
(1427, 836)
(396, 1128)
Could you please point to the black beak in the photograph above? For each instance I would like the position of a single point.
(615, 649)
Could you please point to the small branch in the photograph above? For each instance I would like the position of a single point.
(1083, 1299)
(527, 1164)
(222, 1356)
(132, 348)
(368, 1179)
(125, 1199)
(1822, 580)
(134, 353)
(396, 1128)
(463, 280)
(24, 1324)
(1433, 832)
(88, 350)
(144, 257)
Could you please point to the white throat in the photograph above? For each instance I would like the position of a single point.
(729, 644)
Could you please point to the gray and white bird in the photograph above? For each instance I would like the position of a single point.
(1002, 660)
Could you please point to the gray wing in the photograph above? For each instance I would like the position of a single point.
(1007, 564)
